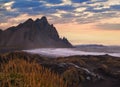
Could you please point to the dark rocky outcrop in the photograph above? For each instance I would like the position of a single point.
(0, 30)
(32, 34)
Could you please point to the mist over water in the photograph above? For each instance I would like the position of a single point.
(64, 52)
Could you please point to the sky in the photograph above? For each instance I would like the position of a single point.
(80, 21)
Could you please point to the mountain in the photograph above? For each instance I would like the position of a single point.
(98, 48)
(32, 34)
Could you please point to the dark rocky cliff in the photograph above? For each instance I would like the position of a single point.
(32, 34)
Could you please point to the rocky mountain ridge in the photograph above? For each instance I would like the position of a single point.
(32, 34)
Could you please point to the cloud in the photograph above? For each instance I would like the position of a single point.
(79, 1)
(109, 26)
(65, 7)
(61, 11)
(7, 6)
(112, 20)
(80, 9)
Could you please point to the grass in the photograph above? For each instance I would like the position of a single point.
(21, 73)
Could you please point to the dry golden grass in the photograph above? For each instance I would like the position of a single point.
(20, 73)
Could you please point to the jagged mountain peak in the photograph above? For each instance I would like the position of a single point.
(33, 34)
(27, 23)
(44, 18)
(30, 20)
(65, 40)
(37, 20)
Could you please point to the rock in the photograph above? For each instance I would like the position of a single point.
(32, 34)
(65, 40)
(0, 30)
